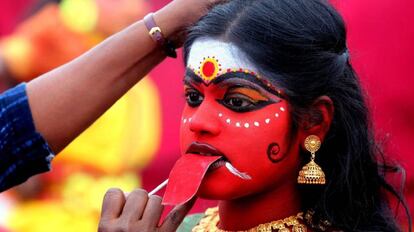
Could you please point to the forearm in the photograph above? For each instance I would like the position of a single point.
(65, 101)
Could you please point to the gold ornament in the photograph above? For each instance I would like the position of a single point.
(312, 173)
(209, 224)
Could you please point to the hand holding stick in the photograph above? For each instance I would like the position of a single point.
(139, 211)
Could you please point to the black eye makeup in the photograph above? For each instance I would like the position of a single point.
(249, 80)
(241, 93)
(193, 97)
(244, 99)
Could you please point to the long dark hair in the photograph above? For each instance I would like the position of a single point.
(301, 46)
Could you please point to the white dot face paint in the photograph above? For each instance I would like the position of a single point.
(247, 124)
(185, 120)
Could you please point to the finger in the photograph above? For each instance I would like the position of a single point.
(176, 216)
(135, 204)
(153, 211)
(112, 204)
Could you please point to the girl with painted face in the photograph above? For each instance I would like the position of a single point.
(272, 100)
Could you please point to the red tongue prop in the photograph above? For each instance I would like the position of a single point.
(185, 178)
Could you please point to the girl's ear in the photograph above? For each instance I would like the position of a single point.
(318, 119)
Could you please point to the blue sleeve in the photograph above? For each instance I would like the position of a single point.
(23, 151)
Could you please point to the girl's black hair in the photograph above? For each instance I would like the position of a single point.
(301, 46)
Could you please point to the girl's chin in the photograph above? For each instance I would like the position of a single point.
(220, 184)
(212, 190)
(214, 195)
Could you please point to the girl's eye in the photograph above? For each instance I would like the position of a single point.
(193, 98)
(238, 103)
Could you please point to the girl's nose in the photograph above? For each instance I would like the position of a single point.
(205, 121)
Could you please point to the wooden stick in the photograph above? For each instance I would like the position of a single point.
(158, 188)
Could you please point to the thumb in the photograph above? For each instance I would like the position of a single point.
(176, 216)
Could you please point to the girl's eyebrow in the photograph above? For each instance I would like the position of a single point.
(191, 85)
(249, 91)
(188, 83)
(245, 77)
(237, 82)
(191, 77)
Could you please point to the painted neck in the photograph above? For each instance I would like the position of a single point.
(248, 212)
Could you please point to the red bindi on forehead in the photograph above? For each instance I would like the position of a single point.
(208, 69)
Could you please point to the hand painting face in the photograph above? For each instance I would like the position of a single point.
(238, 115)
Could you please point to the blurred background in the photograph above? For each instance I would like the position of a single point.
(135, 143)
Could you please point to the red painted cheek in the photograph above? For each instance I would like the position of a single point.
(246, 147)
(257, 146)
(186, 136)
(244, 138)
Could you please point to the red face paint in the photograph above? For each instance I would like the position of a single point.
(242, 137)
(237, 113)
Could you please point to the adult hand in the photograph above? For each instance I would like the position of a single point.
(195, 9)
(175, 17)
(138, 212)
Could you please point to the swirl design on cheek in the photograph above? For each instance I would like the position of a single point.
(273, 151)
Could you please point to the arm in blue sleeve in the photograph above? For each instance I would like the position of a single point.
(23, 151)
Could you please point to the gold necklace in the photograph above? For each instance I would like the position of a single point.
(209, 224)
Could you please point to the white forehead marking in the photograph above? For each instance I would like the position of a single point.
(228, 55)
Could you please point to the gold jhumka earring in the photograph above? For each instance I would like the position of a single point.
(312, 173)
